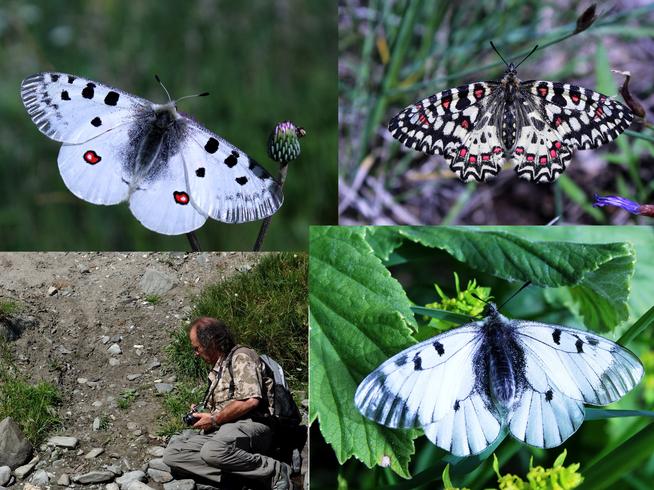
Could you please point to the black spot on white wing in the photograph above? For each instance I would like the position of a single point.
(54, 77)
(417, 363)
(469, 427)
(64, 95)
(545, 419)
(96, 121)
(71, 79)
(556, 336)
(439, 348)
(579, 344)
(111, 98)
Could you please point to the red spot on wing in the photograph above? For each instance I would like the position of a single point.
(473, 159)
(543, 159)
(479, 93)
(181, 197)
(91, 157)
(542, 91)
(557, 144)
(485, 157)
(557, 121)
(599, 112)
(465, 124)
(575, 98)
(446, 102)
(530, 157)
(463, 152)
(553, 153)
(423, 120)
(497, 149)
(519, 150)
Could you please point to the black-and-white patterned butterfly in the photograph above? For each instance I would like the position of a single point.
(469, 385)
(535, 123)
(119, 147)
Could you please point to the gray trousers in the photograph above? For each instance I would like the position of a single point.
(234, 448)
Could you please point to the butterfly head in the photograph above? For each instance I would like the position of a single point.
(491, 309)
(165, 114)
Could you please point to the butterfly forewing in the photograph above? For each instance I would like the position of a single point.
(72, 109)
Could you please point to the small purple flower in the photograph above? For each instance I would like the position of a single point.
(621, 202)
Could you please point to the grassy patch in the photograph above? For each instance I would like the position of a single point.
(126, 398)
(153, 299)
(177, 404)
(32, 406)
(9, 307)
(266, 309)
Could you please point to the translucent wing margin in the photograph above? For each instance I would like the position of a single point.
(73, 110)
(590, 368)
(433, 385)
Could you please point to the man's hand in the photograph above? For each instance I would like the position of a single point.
(205, 421)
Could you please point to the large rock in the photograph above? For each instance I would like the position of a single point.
(22, 471)
(15, 449)
(94, 477)
(40, 478)
(5, 474)
(130, 477)
(180, 485)
(159, 476)
(157, 283)
(137, 485)
(158, 464)
(11, 327)
(63, 441)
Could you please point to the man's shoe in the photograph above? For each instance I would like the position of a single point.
(282, 478)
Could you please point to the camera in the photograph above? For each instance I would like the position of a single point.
(190, 418)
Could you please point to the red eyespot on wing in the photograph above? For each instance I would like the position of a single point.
(91, 157)
(519, 150)
(463, 152)
(479, 93)
(543, 159)
(557, 121)
(575, 98)
(553, 153)
(473, 159)
(542, 91)
(181, 197)
(599, 112)
(446, 103)
(423, 120)
(557, 144)
(530, 157)
(485, 157)
(464, 124)
(497, 149)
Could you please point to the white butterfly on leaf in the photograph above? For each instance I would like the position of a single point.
(468, 386)
(119, 147)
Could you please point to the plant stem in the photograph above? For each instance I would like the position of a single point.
(283, 170)
(193, 241)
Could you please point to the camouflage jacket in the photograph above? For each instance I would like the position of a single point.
(250, 381)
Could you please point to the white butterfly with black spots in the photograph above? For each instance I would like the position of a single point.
(467, 386)
(118, 147)
(537, 124)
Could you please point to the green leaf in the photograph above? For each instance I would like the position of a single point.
(442, 315)
(383, 240)
(600, 273)
(358, 317)
(643, 324)
(611, 467)
(603, 413)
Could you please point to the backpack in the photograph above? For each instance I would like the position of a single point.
(286, 418)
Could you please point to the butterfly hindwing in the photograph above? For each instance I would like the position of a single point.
(226, 183)
(72, 109)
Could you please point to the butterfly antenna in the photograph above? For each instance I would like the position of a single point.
(498, 53)
(530, 53)
(203, 94)
(515, 294)
(162, 86)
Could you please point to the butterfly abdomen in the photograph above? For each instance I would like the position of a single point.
(504, 361)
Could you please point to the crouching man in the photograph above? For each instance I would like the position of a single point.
(236, 435)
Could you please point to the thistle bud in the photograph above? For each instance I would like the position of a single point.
(284, 142)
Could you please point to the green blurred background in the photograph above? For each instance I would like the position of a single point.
(262, 61)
